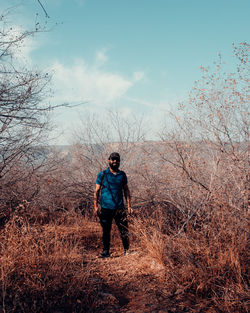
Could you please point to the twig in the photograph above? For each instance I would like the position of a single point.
(46, 14)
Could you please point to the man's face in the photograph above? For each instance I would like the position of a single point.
(114, 164)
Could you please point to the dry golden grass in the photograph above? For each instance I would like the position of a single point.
(54, 266)
(43, 265)
(206, 268)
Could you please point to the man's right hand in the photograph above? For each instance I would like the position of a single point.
(96, 197)
(95, 209)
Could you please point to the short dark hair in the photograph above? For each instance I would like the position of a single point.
(114, 155)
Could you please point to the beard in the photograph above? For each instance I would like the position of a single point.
(114, 167)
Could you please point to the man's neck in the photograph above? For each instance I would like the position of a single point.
(112, 171)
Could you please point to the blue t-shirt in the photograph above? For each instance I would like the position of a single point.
(112, 189)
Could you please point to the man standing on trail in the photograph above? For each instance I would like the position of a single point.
(112, 183)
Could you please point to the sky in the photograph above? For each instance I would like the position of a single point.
(136, 57)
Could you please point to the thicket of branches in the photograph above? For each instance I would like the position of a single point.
(190, 191)
(199, 230)
(191, 188)
(27, 163)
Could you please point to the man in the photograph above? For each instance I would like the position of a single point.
(112, 183)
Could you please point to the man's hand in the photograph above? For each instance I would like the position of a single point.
(95, 209)
(128, 198)
(96, 196)
(130, 210)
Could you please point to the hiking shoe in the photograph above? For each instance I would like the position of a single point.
(128, 252)
(105, 254)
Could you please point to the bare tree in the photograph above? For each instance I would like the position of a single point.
(96, 138)
(23, 113)
(209, 148)
(24, 120)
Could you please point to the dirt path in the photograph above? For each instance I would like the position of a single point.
(132, 283)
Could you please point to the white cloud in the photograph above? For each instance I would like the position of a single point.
(101, 57)
(140, 101)
(82, 81)
(138, 76)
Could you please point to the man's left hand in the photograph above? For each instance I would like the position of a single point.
(130, 210)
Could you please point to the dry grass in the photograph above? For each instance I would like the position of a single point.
(43, 266)
(49, 267)
(205, 268)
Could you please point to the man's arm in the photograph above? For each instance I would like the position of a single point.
(127, 197)
(96, 197)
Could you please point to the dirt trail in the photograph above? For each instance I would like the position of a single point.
(132, 283)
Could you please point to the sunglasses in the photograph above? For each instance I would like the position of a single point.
(115, 159)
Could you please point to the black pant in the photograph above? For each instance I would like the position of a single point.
(106, 217)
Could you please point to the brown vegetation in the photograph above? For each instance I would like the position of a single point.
(189, 230)
(54, 266)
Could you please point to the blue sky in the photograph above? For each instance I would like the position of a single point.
(133, 56)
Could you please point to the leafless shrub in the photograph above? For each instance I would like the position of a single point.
(25, 159)
(203, 171)
(44, 266)
(206, 269)
(95, 140)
